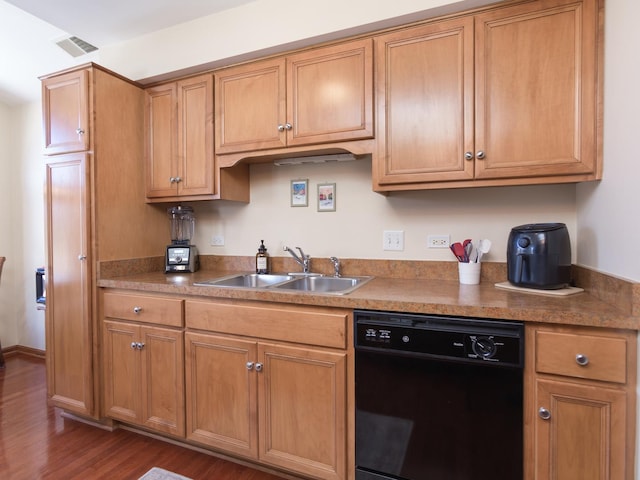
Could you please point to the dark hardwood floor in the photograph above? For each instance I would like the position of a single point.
(36, 442)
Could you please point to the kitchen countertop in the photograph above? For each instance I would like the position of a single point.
(441, 296)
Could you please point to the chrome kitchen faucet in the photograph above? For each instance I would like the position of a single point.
(303, 260)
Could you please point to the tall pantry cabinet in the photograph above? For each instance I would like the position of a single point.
(95, 211)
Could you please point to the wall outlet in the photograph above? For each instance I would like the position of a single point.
(393, 240)
(217, 240)
(438, 241)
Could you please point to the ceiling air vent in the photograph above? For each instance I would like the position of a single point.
(75, 46)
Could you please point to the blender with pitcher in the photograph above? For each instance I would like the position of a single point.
(181, 255)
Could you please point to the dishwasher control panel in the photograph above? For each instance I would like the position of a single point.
(454, 338)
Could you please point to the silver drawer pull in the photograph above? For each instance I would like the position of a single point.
(249, 365)
(258, 367)
(544, 414)
(582, 360)
(137, 309)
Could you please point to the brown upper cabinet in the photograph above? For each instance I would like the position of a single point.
(179, 147)
(65, 108)
(504, 97)
(316, 96)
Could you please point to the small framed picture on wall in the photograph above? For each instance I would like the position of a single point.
(326, 197)
(299, 193)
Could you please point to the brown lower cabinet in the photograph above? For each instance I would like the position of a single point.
(143, 361)
(580, 403)
(270, 382)
(274, 384)
(280, 404)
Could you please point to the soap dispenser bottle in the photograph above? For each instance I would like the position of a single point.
(262, 259)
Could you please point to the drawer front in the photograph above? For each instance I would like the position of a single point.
(583, 356)
(143, 308)
(290, 323)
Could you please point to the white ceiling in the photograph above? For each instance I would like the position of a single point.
(29, 29)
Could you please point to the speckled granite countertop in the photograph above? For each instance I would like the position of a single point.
(423, 287)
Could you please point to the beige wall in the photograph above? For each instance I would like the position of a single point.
(21, 217)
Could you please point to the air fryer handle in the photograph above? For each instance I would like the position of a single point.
(517, 274)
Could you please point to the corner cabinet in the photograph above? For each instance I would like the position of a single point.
(579, 403)
(88, 193)
(179, 156)
(508, 96)
(317, 96)
(260, 377)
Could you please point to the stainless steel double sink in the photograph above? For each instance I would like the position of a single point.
(310, 283)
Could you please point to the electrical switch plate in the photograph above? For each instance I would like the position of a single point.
(217, 240)
(438, 241)
(393, 240)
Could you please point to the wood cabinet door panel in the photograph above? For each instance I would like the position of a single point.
(162, 382)
(250, 105)
(195, 136)
(68, 313)
(66, 112)
(221, 393)
(425, 103)
(160, 147)
(330, 94)
(585, 436)
(536, 90)
(122, 371)
(302, 400)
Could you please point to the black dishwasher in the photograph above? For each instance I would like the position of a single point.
(438, 398)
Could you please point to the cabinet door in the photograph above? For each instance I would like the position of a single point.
(195, 136)
(425, 103)
(121, 371)
(330, 94)
(302, 416)
(536, 87)
(162, 379)
(160, 145)
(584, 438)
(250, 107)
(68, 314)
(221, 393)
(66, 113)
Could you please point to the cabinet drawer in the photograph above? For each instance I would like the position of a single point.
(310, 325)
(143, 308)
(559, 353)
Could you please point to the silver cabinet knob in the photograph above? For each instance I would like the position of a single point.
(133, 345)
(79, 131)
(82, 257)
(137, 309)
(172, 179)
(468, 155)
(259, 367)
(288, 126)
(544, 414)
(139, 345)
(480, 154)
(249, 365)
(178, 179)
(582, 360)
(281, 128)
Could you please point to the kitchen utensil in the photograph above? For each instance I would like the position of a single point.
(484, 246)
(458, 251)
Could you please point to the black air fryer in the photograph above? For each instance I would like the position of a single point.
(539, 256)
